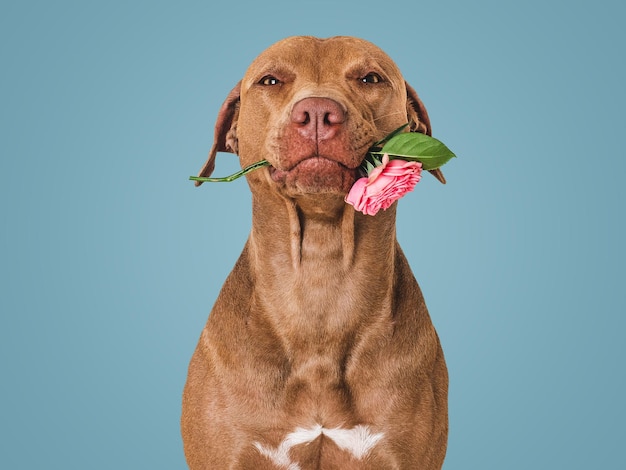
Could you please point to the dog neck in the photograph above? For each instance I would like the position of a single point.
(321, 266)
(310, 232)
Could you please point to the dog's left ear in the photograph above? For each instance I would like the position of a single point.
(420, 122)
(225, 135)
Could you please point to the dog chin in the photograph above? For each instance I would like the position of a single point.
(316, 175)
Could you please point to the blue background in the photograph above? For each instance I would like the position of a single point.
(111, 259)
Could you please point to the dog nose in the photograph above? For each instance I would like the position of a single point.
(318, 118)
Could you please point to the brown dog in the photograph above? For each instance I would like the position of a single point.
(319, 352)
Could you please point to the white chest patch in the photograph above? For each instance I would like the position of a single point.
(358, 441)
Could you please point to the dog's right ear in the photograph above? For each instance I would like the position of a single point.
(225, 136)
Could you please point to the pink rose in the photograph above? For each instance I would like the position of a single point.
(384, 185)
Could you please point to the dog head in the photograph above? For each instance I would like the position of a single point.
(312, 108)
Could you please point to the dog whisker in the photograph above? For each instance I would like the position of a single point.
(384, 116)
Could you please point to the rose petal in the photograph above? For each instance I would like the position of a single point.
(355, 196)
(385, 184)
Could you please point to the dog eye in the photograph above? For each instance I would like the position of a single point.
(371, 78)
(269, 80)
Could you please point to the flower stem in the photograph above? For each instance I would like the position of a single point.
(234, 176)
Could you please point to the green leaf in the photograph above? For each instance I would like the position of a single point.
(431, 152)
(385, 139)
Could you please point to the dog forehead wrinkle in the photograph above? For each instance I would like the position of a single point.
(322, 55)
(281, 58)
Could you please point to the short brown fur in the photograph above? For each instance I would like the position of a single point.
(321, 321)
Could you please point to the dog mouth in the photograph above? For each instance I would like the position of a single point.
(316, 174)
(312, 163)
